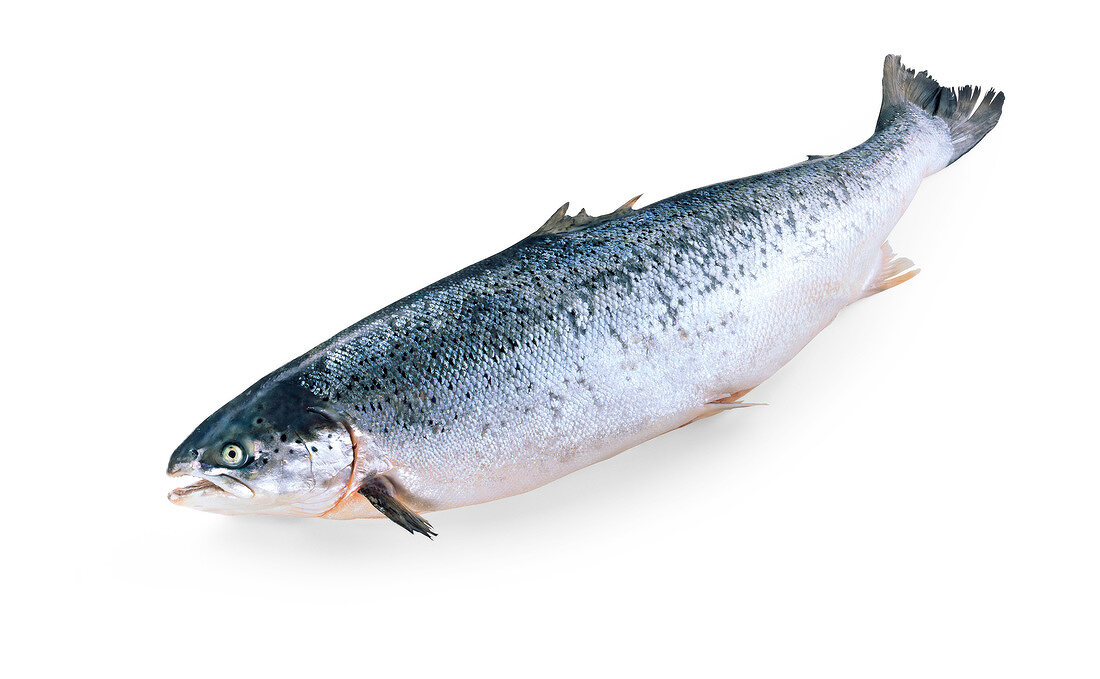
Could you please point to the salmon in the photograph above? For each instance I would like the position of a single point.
(589, 336)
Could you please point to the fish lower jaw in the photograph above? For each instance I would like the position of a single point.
(199, 487)
(196, 489)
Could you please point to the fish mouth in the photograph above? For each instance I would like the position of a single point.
(208, 486)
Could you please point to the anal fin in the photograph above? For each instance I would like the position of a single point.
(732, 401)
(381, 493)
(892, 271)
(722, 404)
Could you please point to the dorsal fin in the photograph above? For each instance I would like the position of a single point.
(558, 221)
(561, 222)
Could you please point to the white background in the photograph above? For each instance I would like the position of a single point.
(193, 193)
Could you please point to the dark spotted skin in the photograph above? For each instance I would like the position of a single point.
(465, 381)
(587, 337)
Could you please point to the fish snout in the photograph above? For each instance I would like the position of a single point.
(183, 462)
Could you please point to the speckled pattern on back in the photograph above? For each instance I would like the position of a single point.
(493, 359)
(595, 334)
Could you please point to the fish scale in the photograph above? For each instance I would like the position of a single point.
(594, 334)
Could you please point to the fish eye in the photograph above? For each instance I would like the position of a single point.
(232, 455)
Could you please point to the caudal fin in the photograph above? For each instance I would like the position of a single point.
(969, 115)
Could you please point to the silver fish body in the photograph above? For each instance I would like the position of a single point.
(595, 334)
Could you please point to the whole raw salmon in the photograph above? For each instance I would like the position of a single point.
(589, 336)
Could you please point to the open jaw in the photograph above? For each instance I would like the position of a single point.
(207, 489)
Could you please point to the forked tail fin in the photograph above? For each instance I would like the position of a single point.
(969, 115)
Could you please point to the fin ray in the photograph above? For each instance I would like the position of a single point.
(561, 222)
(893, 271)
(381, 493)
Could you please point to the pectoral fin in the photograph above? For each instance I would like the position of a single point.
(381, 493)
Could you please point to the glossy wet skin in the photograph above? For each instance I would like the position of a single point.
(271, 450)
(584, 339)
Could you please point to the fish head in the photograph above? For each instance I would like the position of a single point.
(272, 450)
